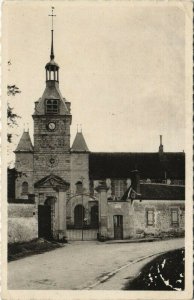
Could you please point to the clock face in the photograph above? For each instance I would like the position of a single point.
(51, 126)
(52, 161)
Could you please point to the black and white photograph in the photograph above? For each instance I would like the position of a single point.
(97, 156)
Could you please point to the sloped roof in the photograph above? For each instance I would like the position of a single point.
(153, 191)
(51, 91)
(79, 144)
(25, 144)
(104, 165)
(52, 63)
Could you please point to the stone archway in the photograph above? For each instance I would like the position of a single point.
(52, 214)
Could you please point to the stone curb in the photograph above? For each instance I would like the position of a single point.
(133, 241)
(112, 273)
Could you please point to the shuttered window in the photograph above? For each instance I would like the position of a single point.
(150, 217)
(174, 217)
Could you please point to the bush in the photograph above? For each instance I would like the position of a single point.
(36, 246)
(165, 272)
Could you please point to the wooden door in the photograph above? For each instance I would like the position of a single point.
(118, 227)
(44, 221)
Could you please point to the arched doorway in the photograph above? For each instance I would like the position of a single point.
(94, 216)
(79, 214)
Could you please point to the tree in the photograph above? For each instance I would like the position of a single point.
(12, 117)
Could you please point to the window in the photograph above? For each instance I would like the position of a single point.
(119, 187)
(118, 220)
(174, 217)
(52, 106)
(24, 188)
(150, 217)
(79, 187)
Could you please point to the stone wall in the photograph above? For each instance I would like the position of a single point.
(52, 149)
(79, 169)
(24, 164)
(22, 222)
(135, 222)
(162, 217)
(61, 166)
(124, 209)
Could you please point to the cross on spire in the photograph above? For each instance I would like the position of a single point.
(52, 50)
(52, 7)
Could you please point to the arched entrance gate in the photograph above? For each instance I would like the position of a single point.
(85, 218)
(51, 194)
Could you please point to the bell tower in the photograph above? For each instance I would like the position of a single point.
(52, 120)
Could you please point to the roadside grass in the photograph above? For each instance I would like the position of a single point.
(36, 246)
(165, 272)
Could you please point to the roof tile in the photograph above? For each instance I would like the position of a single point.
(118, 165)
(79, 144)
(25, 144)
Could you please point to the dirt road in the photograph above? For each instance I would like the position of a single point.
(85, 265)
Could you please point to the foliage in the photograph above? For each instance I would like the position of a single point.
(12, 117)
(23, 249)
(166, 272)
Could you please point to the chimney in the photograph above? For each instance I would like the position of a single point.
(135, 181)
(161, 149)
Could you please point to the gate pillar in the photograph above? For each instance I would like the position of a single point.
(61, 211)
(103, 210)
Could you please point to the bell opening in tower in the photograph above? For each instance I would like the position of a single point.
(52, 106)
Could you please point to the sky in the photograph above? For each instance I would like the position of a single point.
(122, 68)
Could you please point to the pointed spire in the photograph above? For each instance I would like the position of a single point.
(79, 144)
(52, 68)
(25, 144)
(52, 30)
(52, 50)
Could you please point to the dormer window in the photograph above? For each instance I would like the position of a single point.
(52, 106)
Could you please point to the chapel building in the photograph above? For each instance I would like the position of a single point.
(99, 194)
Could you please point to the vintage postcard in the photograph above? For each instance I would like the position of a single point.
(97, 150)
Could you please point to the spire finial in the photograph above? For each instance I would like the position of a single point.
(160, 139)
(52, 50)
(161, 148)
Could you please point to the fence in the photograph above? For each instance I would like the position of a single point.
(76, 234)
